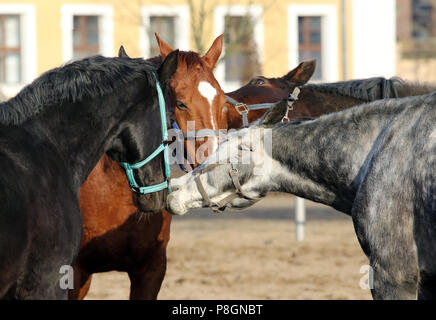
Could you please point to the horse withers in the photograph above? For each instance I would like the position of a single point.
(51, 136)
(374, 162)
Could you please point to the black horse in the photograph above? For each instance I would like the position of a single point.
(52, 134)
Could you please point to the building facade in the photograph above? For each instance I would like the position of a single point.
(349, 38)
(416, 40)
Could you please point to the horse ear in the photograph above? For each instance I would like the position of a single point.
(122, 53)
(212, 55)
(168, 67)
(275, 114)
(301, 74)
(164, 47)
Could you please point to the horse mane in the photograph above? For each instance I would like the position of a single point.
(75, 81)
(189, 57)
(373, 89)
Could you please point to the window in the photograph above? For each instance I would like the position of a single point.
(241, 63)
(10, 49)
(313, 34)
(17, 47)
(422, 19)
(87, 30)
(416, 29)
(85, 36)
(165, 27)
(242, 27)
(309, 42)
(170, 22)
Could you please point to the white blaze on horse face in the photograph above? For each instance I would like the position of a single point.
(209, 92)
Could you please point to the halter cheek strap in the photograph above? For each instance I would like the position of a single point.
(163, 147)
(243, 108)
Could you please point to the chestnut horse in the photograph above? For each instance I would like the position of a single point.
(116, 235)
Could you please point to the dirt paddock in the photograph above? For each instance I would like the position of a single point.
(253, 254)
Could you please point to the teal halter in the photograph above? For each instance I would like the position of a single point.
(163, 147)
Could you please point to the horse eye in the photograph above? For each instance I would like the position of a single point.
(258, 81)
(181, 105)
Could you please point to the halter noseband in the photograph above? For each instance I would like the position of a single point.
(190, 135)
(163, 147)
(221, 205)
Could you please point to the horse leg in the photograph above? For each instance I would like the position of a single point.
(427, 285)
(146, 281)
(82, 283)
(393, 281)
(386, 237)
(425, 237)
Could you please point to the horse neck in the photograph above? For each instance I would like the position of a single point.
(324, 157)
(314, 103)
(407, 89)
(79, 133)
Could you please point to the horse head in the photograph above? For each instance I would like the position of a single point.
(266, 90)
(140, 146)
(197, 98)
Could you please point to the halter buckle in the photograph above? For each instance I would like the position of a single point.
(291, 99)
(234, 172)
(243, 106)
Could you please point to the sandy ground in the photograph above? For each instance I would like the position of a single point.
(253, 254)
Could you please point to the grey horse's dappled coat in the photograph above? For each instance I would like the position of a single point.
(375, 162)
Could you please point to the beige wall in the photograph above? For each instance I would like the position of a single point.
(127, 21)
(420, 70)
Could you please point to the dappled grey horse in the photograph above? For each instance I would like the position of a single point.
(375, 162)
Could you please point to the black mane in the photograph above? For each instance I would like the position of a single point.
(83, 79)
(373, 89)
(363, 89)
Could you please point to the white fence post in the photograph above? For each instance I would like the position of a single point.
(300, 219)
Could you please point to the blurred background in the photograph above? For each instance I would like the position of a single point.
(349, 38)
(252, 254)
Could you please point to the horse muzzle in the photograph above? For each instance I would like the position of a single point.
(175, 205)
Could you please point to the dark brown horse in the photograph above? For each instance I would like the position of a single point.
(116, 235)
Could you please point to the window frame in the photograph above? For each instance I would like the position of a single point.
(27, 45)
(307, 45)
(105, 27)
(329, 38)
(6, 49)
(85, 47)
(181, 25)
(220, 12)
